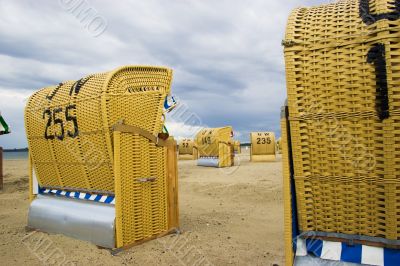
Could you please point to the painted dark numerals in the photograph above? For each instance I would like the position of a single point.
(264, 140)
(206, 140)
(376, 56)
(53, 116)
(369, 19)
(75, 88)
(54, 92)
(53, 119)
(72, 119)
(47, 113)
(58, 122)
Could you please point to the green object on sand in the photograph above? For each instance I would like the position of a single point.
(4, 129)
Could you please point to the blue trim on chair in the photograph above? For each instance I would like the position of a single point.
(351, 253)
(357, 253)
(78, 195)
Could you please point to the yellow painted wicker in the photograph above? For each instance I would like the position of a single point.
(262, 147)
(216, 143)
(100, 134)
(236, 146)
(287, 195)
(343, 82)
(279, 145)
(69, 125)
(187, 149)
(141, 205)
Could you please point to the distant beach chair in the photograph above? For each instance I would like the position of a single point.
(215, 147)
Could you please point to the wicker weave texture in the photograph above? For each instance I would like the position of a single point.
(226, 154)
(208, 140)
(287, 196)
(187, 149)
(279, 145)
(217, 143)
(236, 146)
(141, 189)
(186, 146)
(263, 148)
(343, 82)
(69, 126)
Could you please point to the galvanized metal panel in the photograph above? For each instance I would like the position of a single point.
(211, 162)
(85, 220)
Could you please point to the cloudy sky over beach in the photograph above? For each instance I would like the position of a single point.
(226, 55)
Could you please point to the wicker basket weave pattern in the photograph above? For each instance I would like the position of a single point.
(263, 148)
(100, 134)
(69, 126)
(217, 143)
(343, 80)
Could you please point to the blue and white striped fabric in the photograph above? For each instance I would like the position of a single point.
(356, 253)
(79, 195)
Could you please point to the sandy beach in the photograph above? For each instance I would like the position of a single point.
(231, 216)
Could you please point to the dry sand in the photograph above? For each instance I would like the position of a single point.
(228, 217)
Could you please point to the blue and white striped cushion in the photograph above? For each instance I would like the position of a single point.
(356, 253)
(80, 195)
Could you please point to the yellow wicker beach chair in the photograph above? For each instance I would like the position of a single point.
(215, 147)
(106, 172)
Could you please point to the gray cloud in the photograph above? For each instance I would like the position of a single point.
(226, 55)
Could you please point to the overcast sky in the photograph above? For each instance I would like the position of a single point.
(226, 55)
